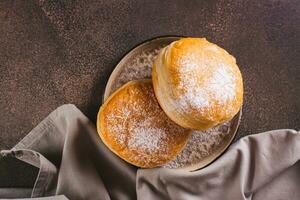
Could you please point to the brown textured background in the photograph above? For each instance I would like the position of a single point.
(57, 52)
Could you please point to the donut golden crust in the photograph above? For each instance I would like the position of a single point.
(197, 83)
(133, 126)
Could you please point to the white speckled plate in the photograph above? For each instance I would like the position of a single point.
(203, 147)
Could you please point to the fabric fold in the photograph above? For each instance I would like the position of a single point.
(47, 176)
(73, 162)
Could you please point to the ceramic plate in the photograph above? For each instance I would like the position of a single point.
(203, 147)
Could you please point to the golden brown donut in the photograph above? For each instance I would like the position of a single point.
(197, 83)
(133, 126)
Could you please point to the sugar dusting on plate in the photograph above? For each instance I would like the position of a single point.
(138, 68)
(201, 144)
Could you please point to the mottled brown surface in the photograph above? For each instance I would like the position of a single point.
(56, 52)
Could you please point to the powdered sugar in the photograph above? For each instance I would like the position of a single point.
(117, 128)
(219, 86)
(146, 138)
(223, 82)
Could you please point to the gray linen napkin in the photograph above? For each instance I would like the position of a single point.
(74, 164)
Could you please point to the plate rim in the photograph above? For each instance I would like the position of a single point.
(126, 55)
